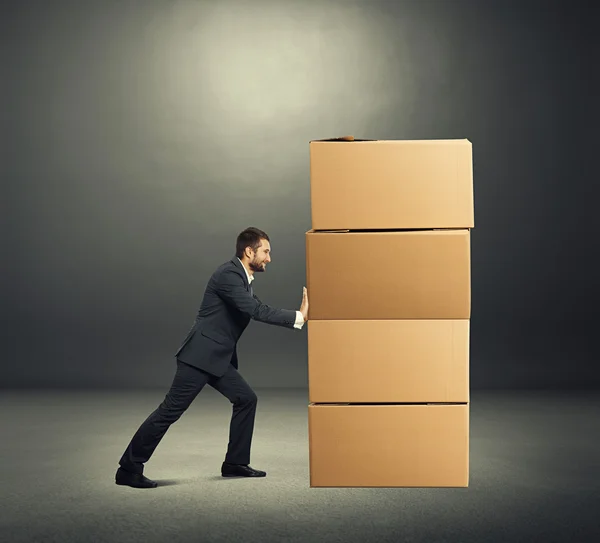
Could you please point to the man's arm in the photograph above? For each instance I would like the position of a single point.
(232, 290)
(299, 317)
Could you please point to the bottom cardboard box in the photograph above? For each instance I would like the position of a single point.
(393, 445)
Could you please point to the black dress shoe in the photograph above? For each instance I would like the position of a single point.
(135, 480)
(240, 470)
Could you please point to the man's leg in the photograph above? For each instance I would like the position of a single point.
(187, 383)
(233, 386)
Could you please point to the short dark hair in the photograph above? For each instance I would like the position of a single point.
(251, 237)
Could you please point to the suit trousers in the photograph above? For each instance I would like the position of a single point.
(187, 383)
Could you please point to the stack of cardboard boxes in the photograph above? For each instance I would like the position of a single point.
(389, 287)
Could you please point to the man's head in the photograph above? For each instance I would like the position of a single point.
(253, 248)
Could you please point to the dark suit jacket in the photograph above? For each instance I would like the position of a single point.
(227, 307)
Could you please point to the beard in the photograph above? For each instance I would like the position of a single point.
(257, 266)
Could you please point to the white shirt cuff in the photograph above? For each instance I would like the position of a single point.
(299, 320)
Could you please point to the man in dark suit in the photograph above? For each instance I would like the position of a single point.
(208, 356)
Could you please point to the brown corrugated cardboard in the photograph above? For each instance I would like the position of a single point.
(389, 445)
(388, 361)
(389, 275)
(401, 184)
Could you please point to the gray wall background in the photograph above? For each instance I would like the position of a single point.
(142, 137)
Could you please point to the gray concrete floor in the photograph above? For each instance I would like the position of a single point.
(534, 461)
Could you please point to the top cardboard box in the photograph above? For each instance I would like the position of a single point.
(397, 184)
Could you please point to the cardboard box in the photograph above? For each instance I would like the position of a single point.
(389, 445)
(388, 361)
(389, 275)
(403, 184)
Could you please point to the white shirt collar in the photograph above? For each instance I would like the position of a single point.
(250, 277)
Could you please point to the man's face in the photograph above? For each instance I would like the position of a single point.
(261, 257)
